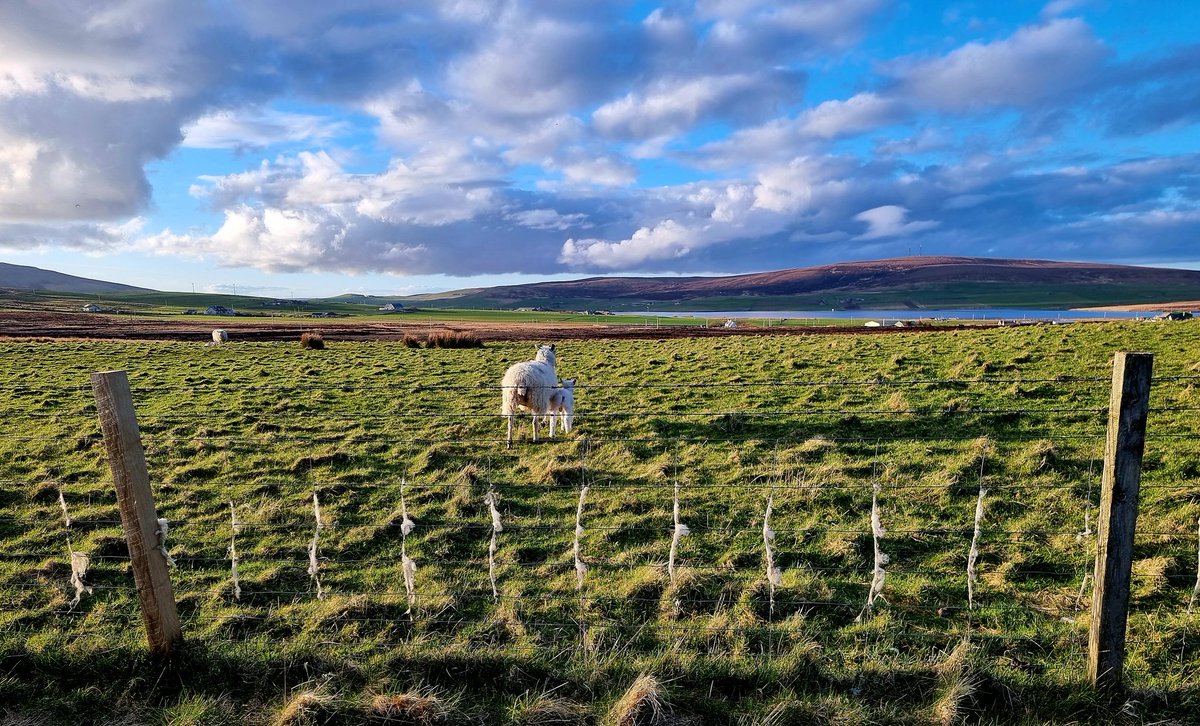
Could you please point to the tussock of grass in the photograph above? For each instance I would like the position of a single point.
(453, 340)
(643, 704)
(306, 706)
(957, 684)
(546, 708)
(415, 707)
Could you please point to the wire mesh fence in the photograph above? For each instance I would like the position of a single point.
(906, 510)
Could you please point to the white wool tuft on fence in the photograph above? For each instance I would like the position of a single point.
(233, 555)
(680, 530)
(164, 527)
(407, 566)
(774, 576)
(1196, 589)
(881, 559)
(80, 562)
(490, 498)
(1083, 536)
(313, 564)
(580, 567)
(973, 555)
(62, 502)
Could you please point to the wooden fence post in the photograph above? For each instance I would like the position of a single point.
(1120, 483)
(123, 441)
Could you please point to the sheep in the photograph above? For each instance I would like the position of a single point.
(220, 336)
(527, 386)
(562, 406)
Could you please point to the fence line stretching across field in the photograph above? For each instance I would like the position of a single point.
(515, 524)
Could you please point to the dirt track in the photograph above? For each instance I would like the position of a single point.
(40, 324)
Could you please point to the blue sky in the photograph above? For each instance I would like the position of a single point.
(312, 148)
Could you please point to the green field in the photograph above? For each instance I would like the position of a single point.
(812, 422)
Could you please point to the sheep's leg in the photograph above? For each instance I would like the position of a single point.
(510, 420)
(535, 427)
(567, 421)
(553, 416)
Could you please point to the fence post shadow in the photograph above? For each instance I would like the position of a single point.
(139, 519)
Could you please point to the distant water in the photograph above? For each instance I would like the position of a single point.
(885, 315)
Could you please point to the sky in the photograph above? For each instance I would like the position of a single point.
(304, 148)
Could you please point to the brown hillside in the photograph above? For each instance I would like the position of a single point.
(849, 276)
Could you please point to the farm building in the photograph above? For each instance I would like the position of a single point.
(392, 307)
(219, 310)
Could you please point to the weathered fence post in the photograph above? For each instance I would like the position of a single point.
(1120, 482)
(123, 441)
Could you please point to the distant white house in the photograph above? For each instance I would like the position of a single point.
(219, 310)
(392, 307)
(871, 324)
(94, 308)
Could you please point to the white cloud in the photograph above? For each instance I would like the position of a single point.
(673, 105)
(549, 219)
(856, 115)
(605, 171)
(888, 221)
(533, 66)
(1035, 64)
(665, 240)
(258, 127)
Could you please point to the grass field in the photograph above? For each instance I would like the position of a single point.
(378, 431)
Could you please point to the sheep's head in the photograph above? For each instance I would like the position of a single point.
(545, 354)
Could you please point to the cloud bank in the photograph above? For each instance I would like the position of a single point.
(476, 137)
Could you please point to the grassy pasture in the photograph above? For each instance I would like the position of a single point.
(812, 422)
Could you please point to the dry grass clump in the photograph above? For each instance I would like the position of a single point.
(547, 709)
(306, 707)
(410, 341)
(418, 707)
(1040, 456)
(817, 447)
(1150, 575)
(312, 341)
(957, 685)
(897, 402)
(453, 340)
(644, 703)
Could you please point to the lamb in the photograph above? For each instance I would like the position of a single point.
(220, 336)
(527, 386)
(562, 406)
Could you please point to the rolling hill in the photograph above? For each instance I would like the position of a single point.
(23, 277)
(906, 282)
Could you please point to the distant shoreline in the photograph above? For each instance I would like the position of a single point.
(1185, 305)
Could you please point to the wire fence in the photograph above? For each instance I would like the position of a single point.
(920, 509)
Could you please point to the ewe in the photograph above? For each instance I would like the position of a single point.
(220, 336)
(527, 386)
(562, 406)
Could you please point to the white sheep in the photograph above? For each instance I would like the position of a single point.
(527, 386)
(220, 336)
(562, 406)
